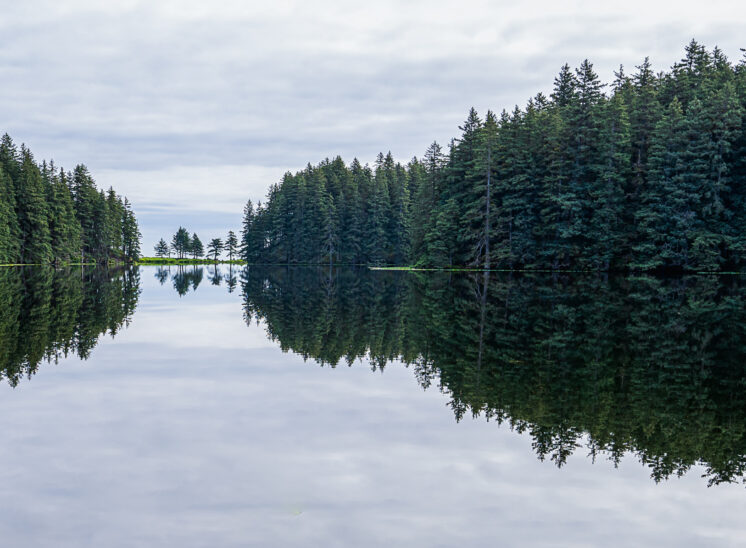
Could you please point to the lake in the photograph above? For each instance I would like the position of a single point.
(217, 406)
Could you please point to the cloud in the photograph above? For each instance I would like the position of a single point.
(143, 89)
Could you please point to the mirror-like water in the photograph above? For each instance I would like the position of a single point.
(476, 409)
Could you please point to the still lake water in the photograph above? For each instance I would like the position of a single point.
(216, 407)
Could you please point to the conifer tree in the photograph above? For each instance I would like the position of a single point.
(115, 221)
(481, 194)
(131, 235)
(181, 242)
(214, 248)
(161, 249)
(196, 248)
(231, 244)
(33, 213)
(462, 176)
(426, 180)
(645, 112)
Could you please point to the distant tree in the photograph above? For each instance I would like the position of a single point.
(162, 249)
(181, 242)
(215, 247)
(231, 244)
(197, 248)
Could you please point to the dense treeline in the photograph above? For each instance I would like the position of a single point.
(49, 215)
(648, 366)
(648, 173)
(49, 313)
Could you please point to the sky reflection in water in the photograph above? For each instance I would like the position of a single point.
(190, 428)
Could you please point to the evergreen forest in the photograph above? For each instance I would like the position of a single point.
(52, 216)
(647, 173)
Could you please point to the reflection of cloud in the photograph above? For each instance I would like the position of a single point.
(169, 86)
(208, 330)
(202, 444)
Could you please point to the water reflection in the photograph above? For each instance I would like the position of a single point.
(48, 314)
(610, 366)
(652, 367)
(185, 277)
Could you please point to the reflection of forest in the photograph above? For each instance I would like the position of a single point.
(643, 365)
(48, 313)
(188, 277)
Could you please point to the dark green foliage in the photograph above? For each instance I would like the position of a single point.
(49, 216)
(332, 213)
(647, 175)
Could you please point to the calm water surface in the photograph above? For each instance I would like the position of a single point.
(207, 407)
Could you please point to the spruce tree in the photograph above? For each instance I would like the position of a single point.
(161, 248)
(197, 249)
(481, 199)
(131, 235)
(115, 223)
(231, 244)
(181, 242)
(33, 212)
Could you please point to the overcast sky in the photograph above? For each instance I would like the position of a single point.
(191, 108)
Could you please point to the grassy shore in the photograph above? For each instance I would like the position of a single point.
(165, 261)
